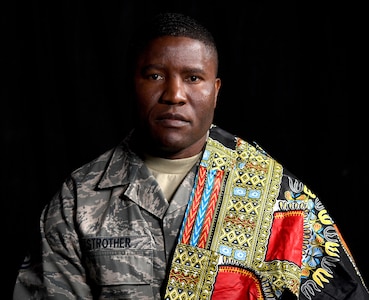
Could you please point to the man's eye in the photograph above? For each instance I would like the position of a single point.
(193, 78)
(156, 76)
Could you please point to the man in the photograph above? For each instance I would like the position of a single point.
(182, 209)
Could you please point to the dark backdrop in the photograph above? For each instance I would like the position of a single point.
(286, 71)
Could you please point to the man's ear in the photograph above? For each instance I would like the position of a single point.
(217, 83)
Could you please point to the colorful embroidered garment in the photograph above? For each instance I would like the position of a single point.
(254, 231)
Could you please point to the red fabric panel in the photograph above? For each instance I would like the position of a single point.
(286, 237)
(237, 284)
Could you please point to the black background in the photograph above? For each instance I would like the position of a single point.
(289, 73)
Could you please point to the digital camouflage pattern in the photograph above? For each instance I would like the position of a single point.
(103, 233)
(109, 233)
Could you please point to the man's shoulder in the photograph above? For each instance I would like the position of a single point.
(99, 162)
(226, 138)
(119, 157)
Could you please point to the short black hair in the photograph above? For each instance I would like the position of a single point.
(176, 24)
(169, 24)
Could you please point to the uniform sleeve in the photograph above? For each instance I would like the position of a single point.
(59, 274)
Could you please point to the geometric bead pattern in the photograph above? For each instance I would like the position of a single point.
(240, 223)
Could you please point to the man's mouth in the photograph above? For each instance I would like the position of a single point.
(172, 120)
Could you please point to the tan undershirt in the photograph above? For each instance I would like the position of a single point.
(170, 172)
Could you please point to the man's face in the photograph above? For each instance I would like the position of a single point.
(176, 92)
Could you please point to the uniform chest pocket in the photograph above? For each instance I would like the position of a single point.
(119, 261)
(121, 267)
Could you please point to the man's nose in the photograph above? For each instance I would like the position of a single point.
(174, 92)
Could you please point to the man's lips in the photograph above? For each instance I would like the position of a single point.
(172, 120)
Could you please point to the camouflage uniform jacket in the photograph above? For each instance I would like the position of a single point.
(110, 234)
(107, 234)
